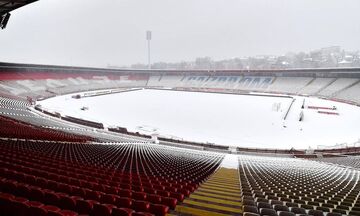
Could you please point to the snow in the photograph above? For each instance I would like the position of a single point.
(225, 119)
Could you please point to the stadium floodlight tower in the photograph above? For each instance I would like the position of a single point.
(148, 38)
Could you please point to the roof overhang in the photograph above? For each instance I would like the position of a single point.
(7, 6)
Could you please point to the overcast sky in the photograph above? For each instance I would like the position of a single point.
(102, 32)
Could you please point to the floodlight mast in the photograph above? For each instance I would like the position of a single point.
(148, 38)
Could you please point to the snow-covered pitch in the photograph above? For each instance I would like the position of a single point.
(224, 119)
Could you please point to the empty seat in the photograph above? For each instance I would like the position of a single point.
(251, 209)
(267, 211)
(139, 195)
(171, 202)
(102, 209)
(315, 212)
(124, 193)
(280, 208)
(140, 206)
(152, 198)
(85, 206)
(283, 213)
(63, 213)
(159, 210)
(123, 202)
(67, 202)
(297, 210)
(333, 214)
(121, 212)
(250, 214)
(263, 205)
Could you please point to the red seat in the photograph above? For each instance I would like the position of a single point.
(141, 214)
(149, 190)
(85, 206)
(37, 194)
(77, 191)
(50, 208)
(185, 191)
(30, 179)
(123, 202)
(139, 196)
(178, 196)
(111, 190)
(102, 209)
(169, 201)
(92, 195)
(124, 193)
(121, 212)
(67, 202)
(109, 198)
(159, 187)
(63, 213)
(159, 210)
(5, 202)
(163, 193)
(22, 190)
(51, 198)
(137, 188)
(65, 188)
(18, 207)
(140, 206)
(156, 199)
(38, 211)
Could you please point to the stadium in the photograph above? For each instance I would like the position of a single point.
(60, 157)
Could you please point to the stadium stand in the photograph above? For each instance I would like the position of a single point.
(140, 178)
(271, 186)
(349, 161)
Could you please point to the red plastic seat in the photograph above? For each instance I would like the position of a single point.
(18, 207)
(123, 202)
(5, 202)
(140, 206)
(169, 201)
(180, 197)
(163, 193)
(92, 195)
(67, 202)
(23, 190)
(109, 198)
(63, 213)
(36, 210)
(77, 191)
(51, 198)
(50, 208)
(37, 194)
(141, 214)
(102, 209)
(139, 196)
(124, 193)
(85, 206)
(159, 210)
(121, 212)
(156, 199)
(184, 191)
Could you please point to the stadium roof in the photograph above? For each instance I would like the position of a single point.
(7, 6)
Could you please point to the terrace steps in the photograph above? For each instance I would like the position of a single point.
(218, 196)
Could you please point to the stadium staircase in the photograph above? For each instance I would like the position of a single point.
(219, 195)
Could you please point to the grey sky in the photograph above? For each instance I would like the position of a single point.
(101, 32)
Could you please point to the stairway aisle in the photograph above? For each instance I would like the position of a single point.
(219, 195)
